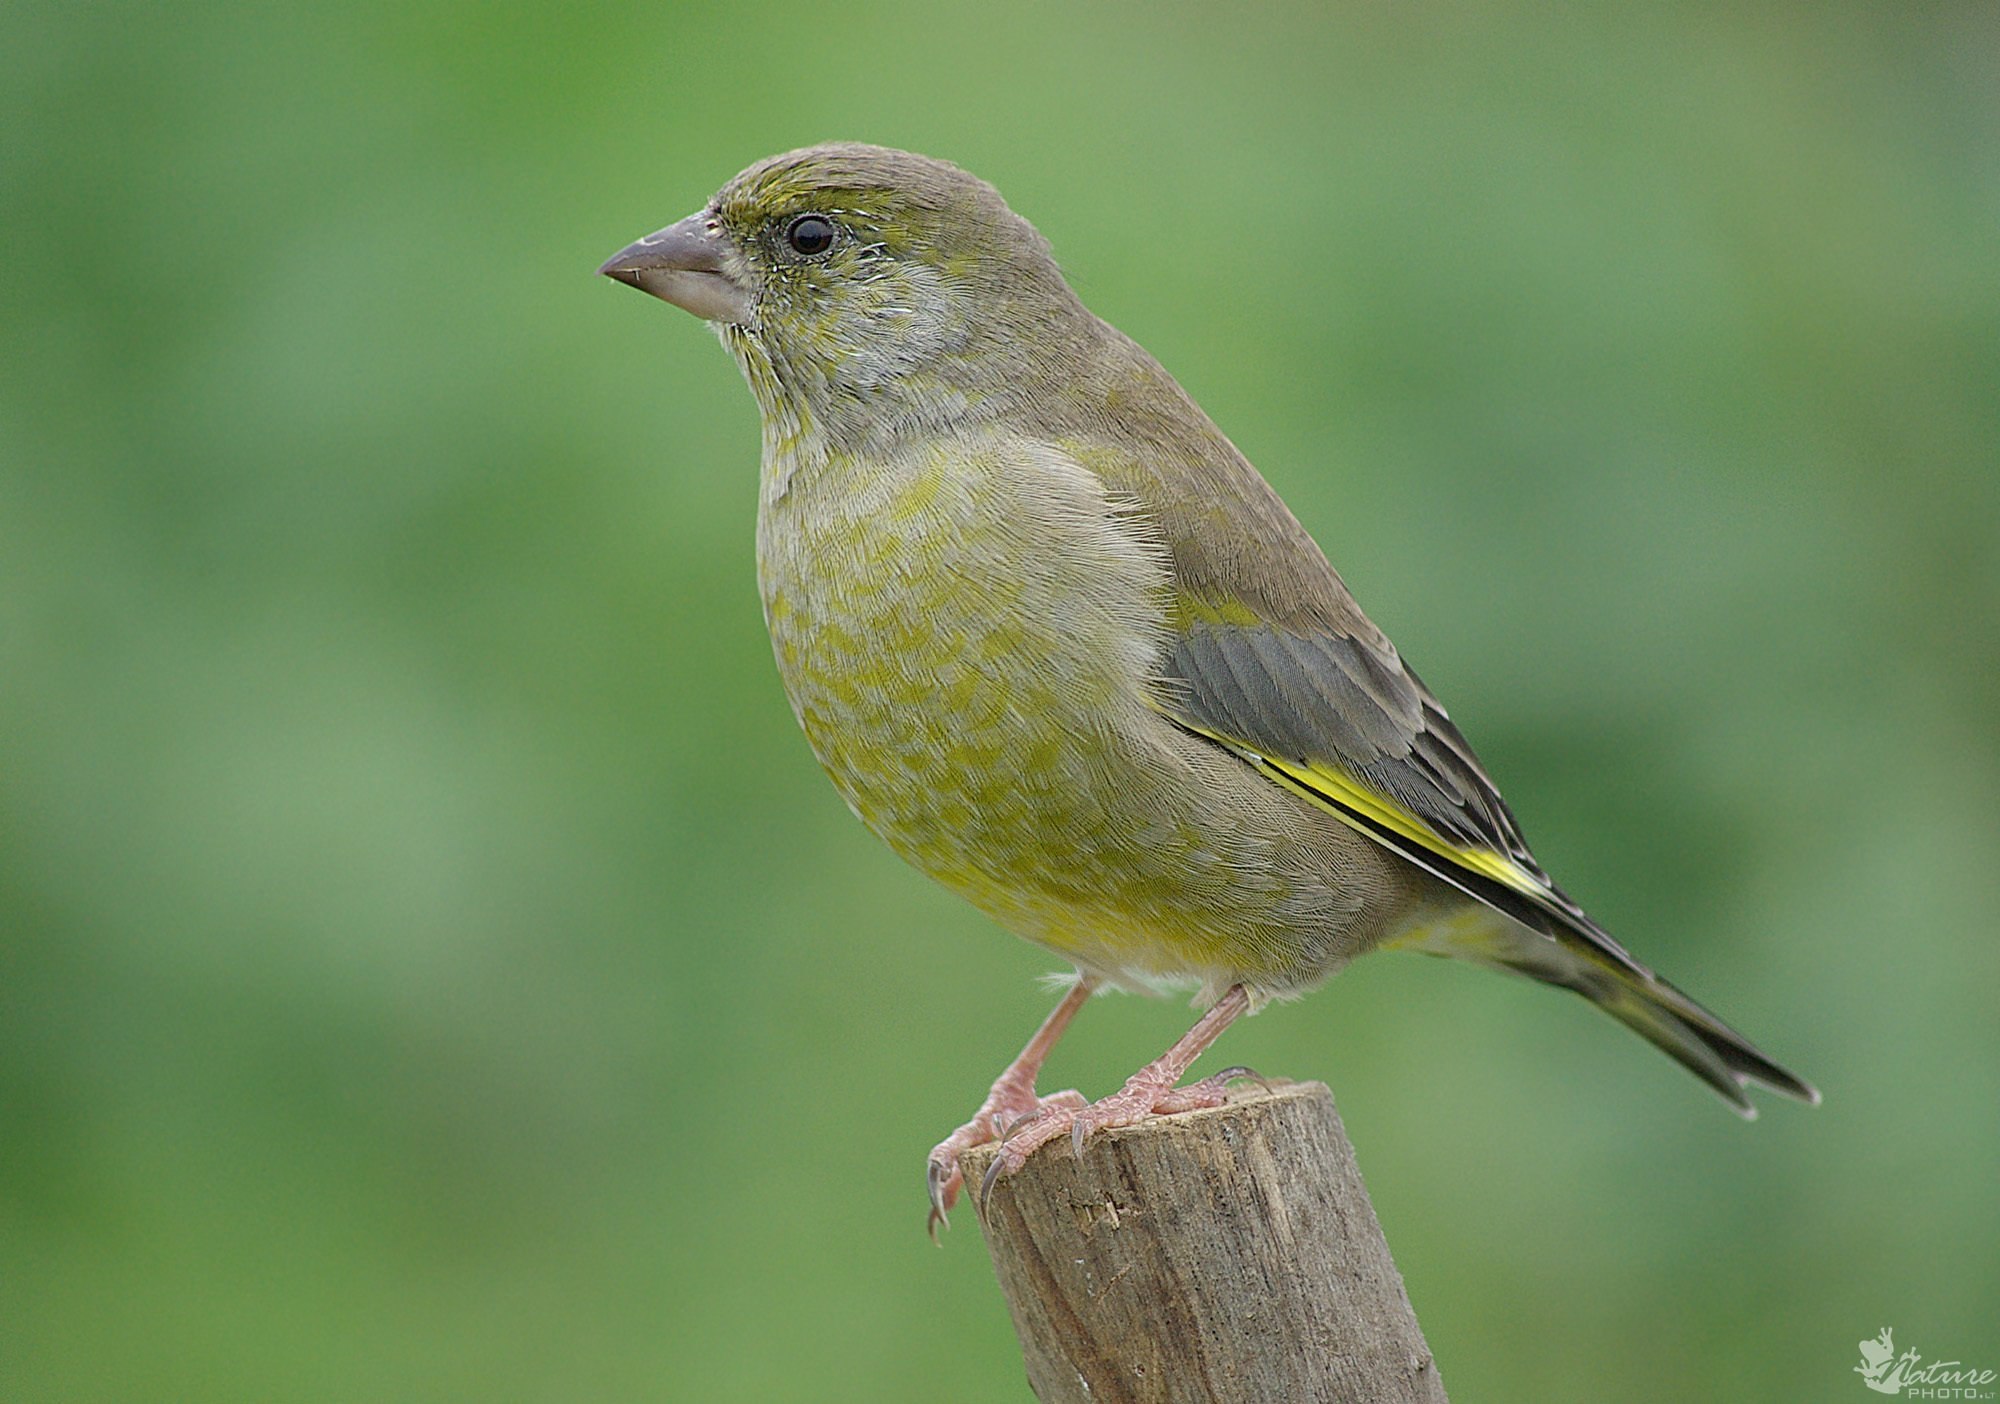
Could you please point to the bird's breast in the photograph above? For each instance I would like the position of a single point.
(966, 632)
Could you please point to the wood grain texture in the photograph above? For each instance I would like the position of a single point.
(1221, 1255)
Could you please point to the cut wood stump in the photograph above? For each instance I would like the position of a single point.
(1220, 1255)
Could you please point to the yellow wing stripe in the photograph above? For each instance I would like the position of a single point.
(1338, 790)
(1346, 791)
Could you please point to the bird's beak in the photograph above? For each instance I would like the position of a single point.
(683, 264)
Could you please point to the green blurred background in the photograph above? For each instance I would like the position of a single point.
(433, 967)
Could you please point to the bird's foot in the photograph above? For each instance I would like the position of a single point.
(1150, 1092)
(1012, 1103)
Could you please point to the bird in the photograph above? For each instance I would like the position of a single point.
(1060, 645)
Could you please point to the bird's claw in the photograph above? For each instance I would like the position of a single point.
(995, 1121)
(1229, 1075)
(943, 1185)
(991, 1178)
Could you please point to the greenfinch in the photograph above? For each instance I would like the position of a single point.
(1063, 649)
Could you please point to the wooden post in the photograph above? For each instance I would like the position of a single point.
(1222, 1255)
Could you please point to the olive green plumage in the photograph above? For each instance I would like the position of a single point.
(1057, 642)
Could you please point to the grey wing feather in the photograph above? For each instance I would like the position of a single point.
(1330, 698)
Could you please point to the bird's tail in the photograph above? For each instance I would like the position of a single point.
(1621, 987)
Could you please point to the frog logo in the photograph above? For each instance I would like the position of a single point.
(1907, 1374)
(1879, 1369)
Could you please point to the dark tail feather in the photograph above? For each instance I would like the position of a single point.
(1690, 1035)
(1587, 962)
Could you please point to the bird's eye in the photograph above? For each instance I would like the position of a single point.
(810, 235)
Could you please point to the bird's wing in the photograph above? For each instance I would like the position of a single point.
(1339, 719)
(1335, 717)
(1269, 656)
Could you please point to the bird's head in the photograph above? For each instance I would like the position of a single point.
(866, 290)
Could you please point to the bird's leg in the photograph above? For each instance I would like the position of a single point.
(1155, 1088)
(1011, 1101)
